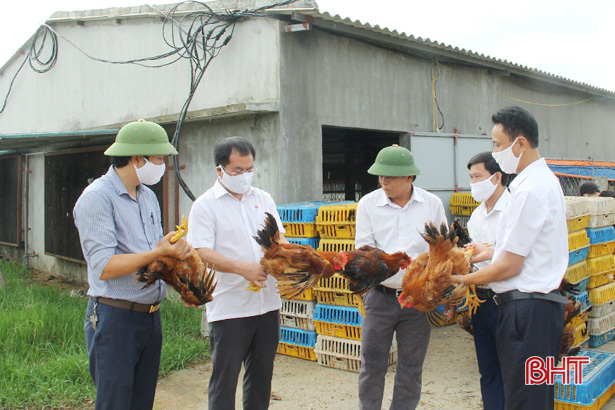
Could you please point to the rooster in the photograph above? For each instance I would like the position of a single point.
(190, 277)
(427, 282)
(296, 267)
(571, 310)
(366, 267)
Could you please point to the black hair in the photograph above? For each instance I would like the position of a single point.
(120, 162)
(607, 194)
(516, 121)
(223, 149)
(490, 164)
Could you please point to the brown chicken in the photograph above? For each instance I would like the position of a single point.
(296, 267)
(366, 267)
(427, 282)
(190, 277)
(571, 310)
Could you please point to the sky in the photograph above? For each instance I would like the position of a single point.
(569, 38)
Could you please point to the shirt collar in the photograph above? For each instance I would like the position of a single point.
(500, 205)
(416, 196)
(117, 183)
(534, 167)
(219, 190)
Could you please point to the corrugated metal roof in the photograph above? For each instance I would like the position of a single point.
(434, 49)
(30, 140)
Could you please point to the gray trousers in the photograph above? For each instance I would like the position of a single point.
(383, 317)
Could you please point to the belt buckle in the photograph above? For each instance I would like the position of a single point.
(154, 308)
(495, 299)
(398, 293)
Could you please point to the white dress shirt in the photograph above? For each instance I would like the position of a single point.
(387, 226)
(221, 222)
(483, 226)
(533, 225)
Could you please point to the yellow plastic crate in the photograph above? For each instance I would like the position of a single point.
(337, 221)
(577, 223)
(338, 330)
(462, 204)
(300, 230)
(602, 294)
(580, 318)
(336, 283)
(339, 298)
(301, 352)
(600, 279)
(307, 294)
(578, 239)
(580, 334)
(336, 245)
(600, 249)
(600, 264)
(577, 272)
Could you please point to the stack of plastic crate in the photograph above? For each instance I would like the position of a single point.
(462, 205)
(577, 219)
(597, 387)
(338, 325)
(336, 224)
(297, 332)
(601, 266)
(299, 220)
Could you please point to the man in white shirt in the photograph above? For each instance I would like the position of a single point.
(529, 260)
(391, 218)
(244, 325)
(488, 185)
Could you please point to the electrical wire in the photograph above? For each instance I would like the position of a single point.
(198, 35)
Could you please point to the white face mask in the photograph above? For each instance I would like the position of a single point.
(506, 159)
(150, 173)
(481, 191)
(238, 184)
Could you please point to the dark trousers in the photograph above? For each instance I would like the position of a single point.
(383, 317)
(252, 341)
(485, 323)
(124, 353)
(527, 328)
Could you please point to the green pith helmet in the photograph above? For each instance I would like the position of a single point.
(141, 138)
(394, 161)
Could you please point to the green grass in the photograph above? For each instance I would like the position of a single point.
(43, 358)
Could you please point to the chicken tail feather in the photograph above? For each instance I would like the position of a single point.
(270, 233)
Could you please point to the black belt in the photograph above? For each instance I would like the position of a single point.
(485, 293)
(124, 304)
(389, 291)
(509, 296)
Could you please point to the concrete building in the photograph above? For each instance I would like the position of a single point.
(317, 94)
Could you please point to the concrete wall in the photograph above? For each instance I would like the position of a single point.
(79, 93)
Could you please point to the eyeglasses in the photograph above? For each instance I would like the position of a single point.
(254, 170)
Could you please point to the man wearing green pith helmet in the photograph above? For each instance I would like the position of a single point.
(391, 218)
(120, 229)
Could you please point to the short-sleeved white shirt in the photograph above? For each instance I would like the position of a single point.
(483, 226)
(221, 222)
(533, 225)
(387, 226)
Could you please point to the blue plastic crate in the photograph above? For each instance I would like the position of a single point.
(298, 337)
(300, 211)
(577, 255)
(581, 285)
(338, 314)
(313, 242)
(600, 235)
(583, 298)
(602, 338)
(598, 376)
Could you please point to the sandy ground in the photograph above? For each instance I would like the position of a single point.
(450, 380)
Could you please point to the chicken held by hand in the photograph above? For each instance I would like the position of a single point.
(296, 267)
(190, 277)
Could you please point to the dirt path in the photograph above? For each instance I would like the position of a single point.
(450, 381)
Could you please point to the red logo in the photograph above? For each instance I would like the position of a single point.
(539, 371)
